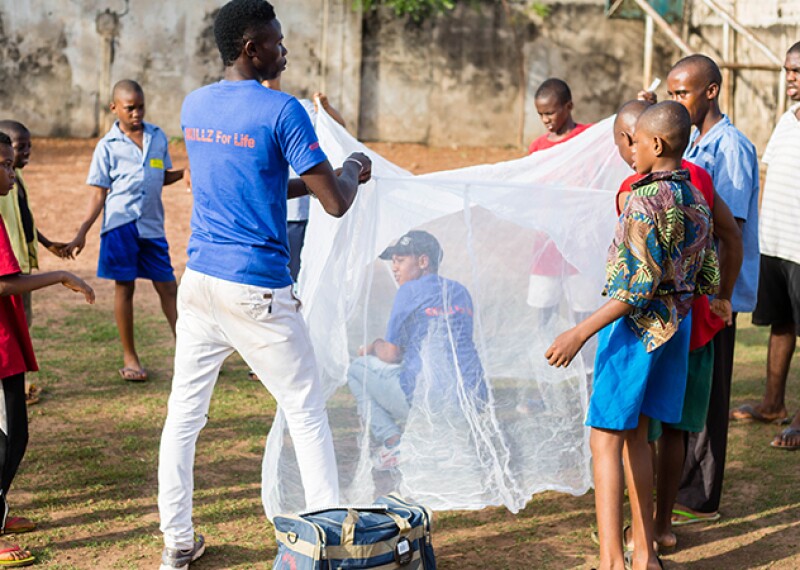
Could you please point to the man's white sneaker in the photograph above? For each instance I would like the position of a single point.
(176, 558)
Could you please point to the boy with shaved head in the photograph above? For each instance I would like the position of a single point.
(550, 274)
(130, 166)
(662, 256)
(553, 102)
(708, 318)
(731, 160)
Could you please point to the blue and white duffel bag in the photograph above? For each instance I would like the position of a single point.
(391, 534)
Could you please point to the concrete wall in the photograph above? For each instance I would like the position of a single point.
(458, 79)
(56, 73)
(467, 77)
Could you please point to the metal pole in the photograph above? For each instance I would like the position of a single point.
(734, 23)
(323, 80)
(665, 27)
(647, 67)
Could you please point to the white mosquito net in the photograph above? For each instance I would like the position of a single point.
(481, 417)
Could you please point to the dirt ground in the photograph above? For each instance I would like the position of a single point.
(761, 531)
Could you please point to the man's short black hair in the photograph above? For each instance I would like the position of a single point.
(704, 64)
(5, 139)
(794, 49)
(13, 128)
(234, 20)
(554, 87)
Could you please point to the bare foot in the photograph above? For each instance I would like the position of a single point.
(666, 541)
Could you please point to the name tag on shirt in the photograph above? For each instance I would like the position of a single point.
(157, 163)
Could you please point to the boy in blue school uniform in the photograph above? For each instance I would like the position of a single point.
(662, 256)
(130, 166)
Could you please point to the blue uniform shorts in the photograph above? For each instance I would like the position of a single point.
(124, 256)
(629, 381)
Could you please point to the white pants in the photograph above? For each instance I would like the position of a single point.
(216, 317)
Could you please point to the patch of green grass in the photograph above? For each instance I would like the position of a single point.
(90, 476)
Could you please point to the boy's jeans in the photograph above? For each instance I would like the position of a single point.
(376, 387)
(216, 317)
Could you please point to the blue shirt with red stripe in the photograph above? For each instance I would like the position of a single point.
(432, 322)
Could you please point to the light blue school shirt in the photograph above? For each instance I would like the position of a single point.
(134, 177)
(731, 160)
(241, 138)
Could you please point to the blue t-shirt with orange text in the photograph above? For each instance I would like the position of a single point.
(241, 139)
(432, 322)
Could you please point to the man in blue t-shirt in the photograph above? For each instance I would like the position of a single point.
(236, 293)
(429, 335)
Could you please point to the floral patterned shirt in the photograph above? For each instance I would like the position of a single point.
(662, 255)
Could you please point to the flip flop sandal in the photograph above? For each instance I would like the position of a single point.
(629, 560)
(787, 433)
(688, 518)
(32, 395)
(748, 413)
(133, 375)
(15, 563)
(657, 546)
(18, 525)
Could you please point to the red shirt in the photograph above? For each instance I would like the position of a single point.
(543, 142)
(16, 350)
(547, 258)
(705, 324)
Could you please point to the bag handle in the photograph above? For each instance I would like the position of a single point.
(349, 525)
(372, 508)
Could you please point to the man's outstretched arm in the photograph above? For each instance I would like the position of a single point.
(335, 193)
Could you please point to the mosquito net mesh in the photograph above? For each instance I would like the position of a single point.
(472, 413)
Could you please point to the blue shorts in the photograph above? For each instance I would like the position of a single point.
(124, 256)
(629, 381)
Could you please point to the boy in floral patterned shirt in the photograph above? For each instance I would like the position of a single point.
(662, 256)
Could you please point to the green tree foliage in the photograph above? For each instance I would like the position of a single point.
(416, 9)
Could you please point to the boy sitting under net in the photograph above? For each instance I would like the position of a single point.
(430, 329)
(662, 256)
